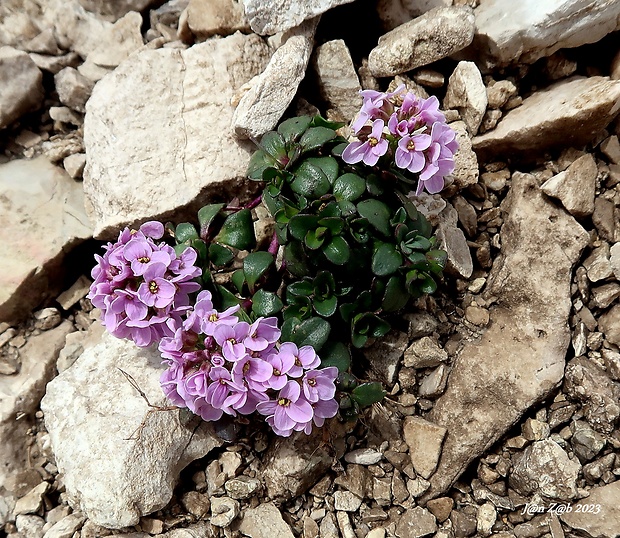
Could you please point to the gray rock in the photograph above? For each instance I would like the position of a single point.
(393, 13)
(347, 501)
(575, 187)
(242, 487)
(43, 209)
(466, 170)
(614, 259)
(206, 18)
(606, 218)
(598, 263)
(139, 451)
(31, 502)
(271, 92)
(435, 35)
(268, 17)
(264, 521)
(488, 391)
(338, 82)
(115, 10)
(424, 353)
(507, 33)
(598, 514)
(22, 86)
(586, 442)
(224, 511)
(363, 456)
(434, 383)
(416, 523)
(487, 515)
(31, 526)
(587, 383)
(167, 94)
(544, 468)
(452, 239)
(384, 356)
(73, 88)
(466, 93)
(66, 527)
(583, 106)
(424, 440)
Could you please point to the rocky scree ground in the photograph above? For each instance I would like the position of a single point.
(504, 386)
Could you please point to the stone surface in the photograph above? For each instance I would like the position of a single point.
(206, 18)
(609, 324)
(601, 522)
(73, 88)
(507, 33)
(466, 93)
(488, 390)
(264, 521)
(567, 113)
(268, 17)
(545, 469)
(384, 356)
(338, 82)
(466, 171)
(393, 13)
(224, 511)
(271, 92)
(115, 10)
(170, 94)
(416, 523)
(424, 440)
(614, 260)
(120, 459)
(452, 239)
(22, 85)
(42, 218)
(424, 353)
(575, 187)
(424, 40)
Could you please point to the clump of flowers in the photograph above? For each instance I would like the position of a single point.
(217, 364)
(409, 131)
(142, 287)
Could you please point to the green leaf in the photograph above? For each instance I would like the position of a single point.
(293, 128)
(220, 255)
(255, 265)
(368, 393)
(206, 215)
(313, 240)
(328, 165)
(273, 144)
(272, 203)
(201, 249)
(337, 251)
(259, 162)
(437, 260)
(300, 224)
(336, 354)
(320, 121)
(238, 231)
(295, 259)
(325, 307)
(386, 259)
(266, 303)
(238, 279)
(300, 288)
(227, 298)
(315, 137)
(313, 332)
(377, 213)
(395, 295)
(310, 181)
(367, 325)
(347, 208)
(374, 185)
(302, 309)
(185, 232)
(428, 285)
(349, 187)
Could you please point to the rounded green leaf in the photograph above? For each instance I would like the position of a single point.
(367, 394)
(293, 128)
(266, 303)
(259, 162)
(315, 137)
(328, 165)
(337, 251)
(255, 265)
(310, 181)
(313, 241)
(349, 187)
(325, 307)
(206, 215)
(386, 259)
(377, 213)
(395, 295)
(220, 255)
(238, 231)
(336, 354)
(295, 259)
(299, 225)
(273, 144)
(313, 332)
(185, 232)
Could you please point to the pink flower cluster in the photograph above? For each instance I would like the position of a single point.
(217, 364)
(142, 287)
(411, 129)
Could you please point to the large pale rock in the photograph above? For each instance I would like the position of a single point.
(452, 239)
(435, 35)
(424, 440)
(488, 390)
(18, 20)
(509, 32)
(338, 82)
(264, 521)
(466, 170)
(598, 514)
(115, 10)
(22, 85)
(393, 13)
(567, 113)
(268, 17)
(158, 133)
(206, 18)
(467, 93)
(42, 218)
(271, 92)
(120, 459)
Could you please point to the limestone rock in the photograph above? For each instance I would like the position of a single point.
(466, 171)
(467, 93)
(567, 113)
(270, 93)
(488, 391)
(424, 353)
(614, 260)
(42, 218)
(264, 521)
(393, 13)
(206, 18)
(602, 523)
(73, 88)
(452, 239)
(113, 11)
(609, 324)
(435, 35)
(148, 150)
(424, 440)
(385, 354)
(507, 33)
(120, 459)
(575, 187)
(338, 82)
(545, 469)
(268, 17)
(416, 523)
(22, 85)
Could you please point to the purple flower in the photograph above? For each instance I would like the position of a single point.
(219, 389)
(281, 364)
(156, 290)
(410, 152)
(255, 372)
(303, 358)
(212, 319)
(140, 253)
(231, 338)
(369, 150)
(288, 410)
(319, 384)
(262, 333)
